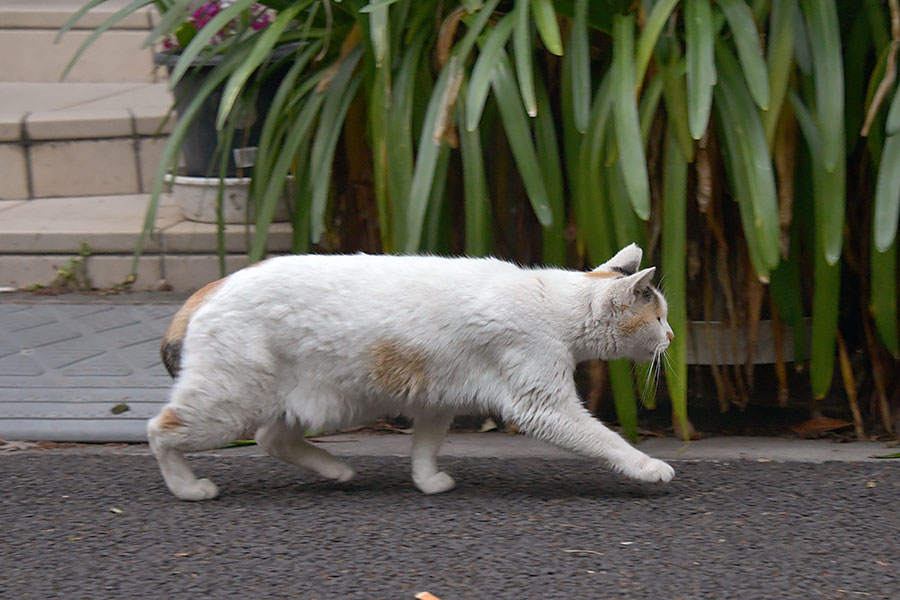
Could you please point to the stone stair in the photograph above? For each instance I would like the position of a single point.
(77, 157)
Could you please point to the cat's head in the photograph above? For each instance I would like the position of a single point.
(636, 310)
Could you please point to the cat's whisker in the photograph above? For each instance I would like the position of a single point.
(669, 365)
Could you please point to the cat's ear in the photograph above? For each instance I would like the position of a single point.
(626, 261)
(640, 281)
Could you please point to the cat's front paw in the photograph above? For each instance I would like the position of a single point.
(437, 483)
(651, 470)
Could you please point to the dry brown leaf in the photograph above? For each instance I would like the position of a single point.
(819, 425)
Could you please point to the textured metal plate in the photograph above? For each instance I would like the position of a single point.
(81, 372)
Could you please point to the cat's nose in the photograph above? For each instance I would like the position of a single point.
(670, 336)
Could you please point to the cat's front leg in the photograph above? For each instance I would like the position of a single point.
(561, 420)
(428, 434)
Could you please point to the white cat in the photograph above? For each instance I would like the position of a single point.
(300, 343)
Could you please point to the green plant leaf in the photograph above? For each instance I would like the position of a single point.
(378, 105)
(170, 21)
(856, 71)
(122, 13)
(746, 41)
(786, 292)
(780, 58)
(751, 163)
(400, 154)
(887, 194)
(548, 28)
(875, 139)
(483, 71)
(825, 42)
(479, 229)
(376, 5)
(581, 67)
(700, 64)
(523, 55)
(297, 136)
(648, 106)
(378, 32)
(170, 152)
(436, 237)
(515, 122)
(828, 201)
(439, 106)
(254, 59)
(591, 205)
(571, 137)
(675, 95)
(829, 186)
(673, 264)
(627, 226)
(598, 132)
(274, 124)
(464, 46)
(646, 42)
(203, 37)
(632, 162)
(77, 16)
(825, 307)
(338, 96)
(883, 297)
(892, 127)
(623, 396)
(546, 141)
(426, 159)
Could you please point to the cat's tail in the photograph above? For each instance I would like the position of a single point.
(170, 348)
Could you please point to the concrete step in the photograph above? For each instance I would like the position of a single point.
(40, 236)
(80, 139)
(28, 32)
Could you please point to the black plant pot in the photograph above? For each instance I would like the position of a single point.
(198, 149)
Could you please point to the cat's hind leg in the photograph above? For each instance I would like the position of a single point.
(174, 432)
(428, 434)
(285, 442)
(199, 416)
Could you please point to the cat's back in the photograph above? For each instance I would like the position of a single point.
(301, 298)
(366, 278)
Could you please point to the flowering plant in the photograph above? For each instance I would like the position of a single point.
(256, 17)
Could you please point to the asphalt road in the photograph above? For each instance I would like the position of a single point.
(103, 526)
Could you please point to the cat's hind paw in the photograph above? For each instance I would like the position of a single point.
(651, 470)
(338, 471)
(201, 489)
(437, 483)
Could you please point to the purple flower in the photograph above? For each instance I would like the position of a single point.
(260, 22)
(203, 14)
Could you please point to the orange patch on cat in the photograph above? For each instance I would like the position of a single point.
(168, 420)
(647, 315)
(398, 370)
(183, 316)
(602, 274)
